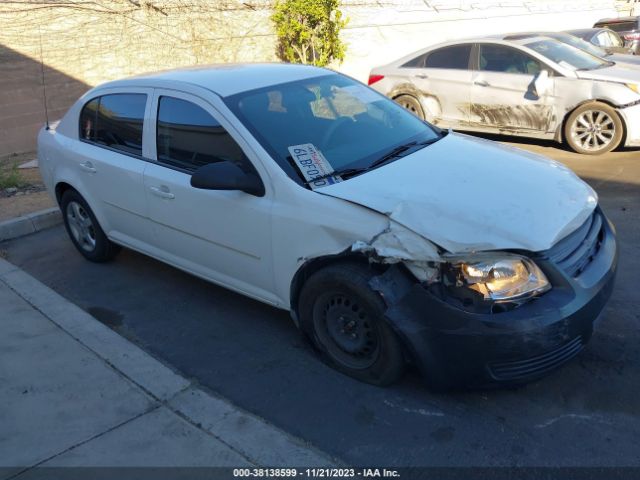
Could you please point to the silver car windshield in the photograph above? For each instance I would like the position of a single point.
(581, 44)
(336, 118)
(567, 56)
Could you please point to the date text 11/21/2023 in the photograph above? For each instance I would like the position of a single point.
(315, 473)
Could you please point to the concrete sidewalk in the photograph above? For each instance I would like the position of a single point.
(75, 393)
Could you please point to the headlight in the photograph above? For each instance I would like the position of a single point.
(504, 279)
(634, 86)
(489, 282)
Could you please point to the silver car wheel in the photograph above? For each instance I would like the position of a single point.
(81, 226)
(593, 130)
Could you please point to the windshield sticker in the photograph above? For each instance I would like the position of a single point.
(317, 171)
(364, 94)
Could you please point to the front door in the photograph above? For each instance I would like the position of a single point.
(224, 236)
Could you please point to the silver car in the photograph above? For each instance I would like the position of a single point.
(534, 87)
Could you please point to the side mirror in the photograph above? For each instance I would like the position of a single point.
(541, 83)
(226, 175)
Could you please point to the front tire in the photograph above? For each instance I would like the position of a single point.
(84, 230)
(593, 129)
(344, 318)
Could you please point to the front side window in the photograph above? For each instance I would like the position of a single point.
(499, 58)
(188, 137)
(567, 56)
(456, 58)
(115, 121)
(350, 125)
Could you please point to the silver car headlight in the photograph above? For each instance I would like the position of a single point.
(501, 279)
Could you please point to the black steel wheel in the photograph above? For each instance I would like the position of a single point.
(344, 318)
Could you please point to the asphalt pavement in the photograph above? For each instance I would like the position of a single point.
(586, 414)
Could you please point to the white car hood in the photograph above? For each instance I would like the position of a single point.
(466, 194)
(617, 73)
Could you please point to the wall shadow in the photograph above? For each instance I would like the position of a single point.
(22, 111)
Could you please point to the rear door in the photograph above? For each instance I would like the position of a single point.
(110, 161)
(224, 236)
(444, 78)
(502, 96)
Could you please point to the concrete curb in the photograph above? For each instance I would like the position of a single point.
(30, 223)
(257, 440)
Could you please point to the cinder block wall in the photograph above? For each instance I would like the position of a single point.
(84, 43)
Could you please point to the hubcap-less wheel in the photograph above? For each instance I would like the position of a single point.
(410, 104)
(81, 226)
(343, 327)
(593, 130)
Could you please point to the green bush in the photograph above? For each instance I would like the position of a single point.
(309, 31)
(10, 177)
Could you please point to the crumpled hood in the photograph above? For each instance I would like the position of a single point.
(467, 194)
(617, 73)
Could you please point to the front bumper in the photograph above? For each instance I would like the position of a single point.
(456, 348)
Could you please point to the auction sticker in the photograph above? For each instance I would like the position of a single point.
(317, 171)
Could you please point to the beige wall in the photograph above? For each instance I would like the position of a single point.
(85, 42)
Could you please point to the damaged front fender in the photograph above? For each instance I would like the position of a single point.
(398, 244)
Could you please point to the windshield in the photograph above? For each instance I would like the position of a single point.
(344, 123)
(567, 56)
(581, 44)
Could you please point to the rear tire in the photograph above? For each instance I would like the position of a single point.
(344, 318)
(84, 230)
(412, 104)
(593, 129)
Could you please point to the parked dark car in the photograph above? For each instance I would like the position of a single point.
(627, 27)
(603, 38)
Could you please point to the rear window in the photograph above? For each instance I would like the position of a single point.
(456, 57)
(115, 121)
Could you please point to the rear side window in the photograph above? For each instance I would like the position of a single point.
(498, 58)
(115, 121)
(456, 57)
(188, 137)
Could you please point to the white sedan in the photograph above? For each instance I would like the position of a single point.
(389, 240)
(535, 87)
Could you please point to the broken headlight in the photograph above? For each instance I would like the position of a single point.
(490, 280)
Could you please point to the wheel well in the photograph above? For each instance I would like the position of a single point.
(311, 266)
(61, 188)
(594, 100)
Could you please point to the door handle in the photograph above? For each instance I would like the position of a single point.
(481, 83)
(88, 167)
(162, 192)
(422, 75)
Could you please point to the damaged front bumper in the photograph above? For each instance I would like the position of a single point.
(458, 348)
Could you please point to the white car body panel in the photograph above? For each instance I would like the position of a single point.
(459, 194)
(455, 204)
(507, 105)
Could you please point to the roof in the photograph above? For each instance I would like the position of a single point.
(618, 20)
(225, 79)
